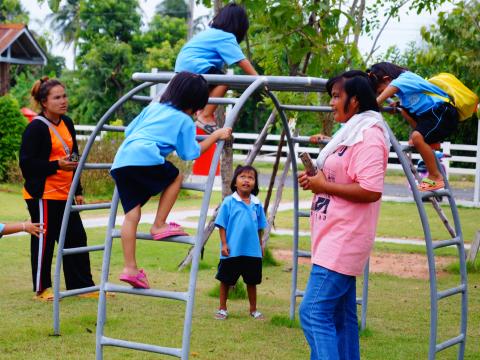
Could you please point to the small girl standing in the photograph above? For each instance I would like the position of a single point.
(209, 51)
(423, 105)
(141, 171)
(241, 221)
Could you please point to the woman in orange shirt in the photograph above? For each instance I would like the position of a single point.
(47, 164)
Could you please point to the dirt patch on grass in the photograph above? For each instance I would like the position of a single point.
(401, 265)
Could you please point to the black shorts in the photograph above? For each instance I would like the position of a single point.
(230, 269)
(137, 184)
(437, 123)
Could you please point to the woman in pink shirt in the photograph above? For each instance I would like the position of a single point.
(347, 187)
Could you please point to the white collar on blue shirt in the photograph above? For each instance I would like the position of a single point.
(253, 198)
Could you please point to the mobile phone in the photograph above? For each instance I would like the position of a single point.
(74, 157)
(310, 168)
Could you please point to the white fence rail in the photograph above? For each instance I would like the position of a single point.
(243, 143)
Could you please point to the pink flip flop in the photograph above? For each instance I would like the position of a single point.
(173, 229)
(138, 281)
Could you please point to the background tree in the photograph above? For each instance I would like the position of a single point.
(11, 11)
(173, 8)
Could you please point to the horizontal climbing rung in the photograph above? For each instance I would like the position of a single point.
(194, 186)
(443, 243)
(436, 193)
(174, 295)
(304, 213)
(93, 166)
(450, 342)
(299, 293)
(306, 108)
(80, 291)
(106, 341)
(450, 292)
(302, 253)
(91, 206)
(213, 100)
(175, 239)
(114, 128)
(83, 249)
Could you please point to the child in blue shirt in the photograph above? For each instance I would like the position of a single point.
(209, 51)
(241, 220)
(32, 228)
(423, 105)
(141, 171)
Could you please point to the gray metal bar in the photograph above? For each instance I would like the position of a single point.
(241, 82)
(106, 341)
(102, 301)
(190, 240)
(122, 129)
(306, 108)
(444, 243)
(306, 140)
(83, 249)
(302, 253)
(80, 291)
(92, 166)
(91, 206)
(450, 292)
(450, 342)
(194, 186)
(174, 295)
(212, 100)
(299, 293)
(437, 193)
(364, 302)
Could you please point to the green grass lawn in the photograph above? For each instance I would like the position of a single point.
(398, 313)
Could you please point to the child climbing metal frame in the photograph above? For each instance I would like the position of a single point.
(247, 84)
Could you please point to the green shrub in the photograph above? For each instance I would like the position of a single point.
(269, 259)
(12, 125)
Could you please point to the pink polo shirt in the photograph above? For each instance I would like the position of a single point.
(343, 231)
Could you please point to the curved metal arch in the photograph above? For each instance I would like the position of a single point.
(71, 194)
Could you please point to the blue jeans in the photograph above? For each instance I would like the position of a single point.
(328, 315)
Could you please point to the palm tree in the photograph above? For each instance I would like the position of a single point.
(66, 22)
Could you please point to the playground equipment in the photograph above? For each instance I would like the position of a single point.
(247, 85)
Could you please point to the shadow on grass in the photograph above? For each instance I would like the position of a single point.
(239, 291)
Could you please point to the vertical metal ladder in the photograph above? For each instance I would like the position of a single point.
(456, 240)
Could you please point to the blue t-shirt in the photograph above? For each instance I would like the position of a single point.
(210, 48)
(411, 92)
(241, 222)
(157, 131)
(2, 226)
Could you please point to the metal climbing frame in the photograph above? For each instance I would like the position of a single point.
(247, 84)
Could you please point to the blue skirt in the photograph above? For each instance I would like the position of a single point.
(137, 184)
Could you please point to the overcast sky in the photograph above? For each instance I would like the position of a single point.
(396, 33)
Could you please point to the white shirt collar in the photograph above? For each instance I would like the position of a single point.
(253, 198)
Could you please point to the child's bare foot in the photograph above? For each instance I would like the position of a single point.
(206, 122)
(156, 229)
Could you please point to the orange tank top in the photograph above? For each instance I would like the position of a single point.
(57, 186)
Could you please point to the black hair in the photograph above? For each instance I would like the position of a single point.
(238, 171)
(355, 83)
(232, 18)
(186, 91)
(40, 90)
(377, 72)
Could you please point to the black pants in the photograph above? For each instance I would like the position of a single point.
(76, 268)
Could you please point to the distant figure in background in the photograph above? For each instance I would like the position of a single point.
(209, 51)
(48, 159)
